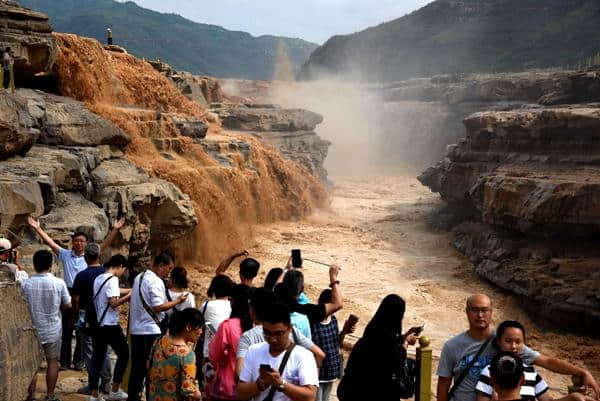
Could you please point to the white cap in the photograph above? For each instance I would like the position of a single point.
(5, 245)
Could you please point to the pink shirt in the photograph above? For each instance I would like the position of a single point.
(222, 353)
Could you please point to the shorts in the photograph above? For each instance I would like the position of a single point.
(52, 350)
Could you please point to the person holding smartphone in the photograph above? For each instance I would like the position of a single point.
(277, 369)
(9, 260)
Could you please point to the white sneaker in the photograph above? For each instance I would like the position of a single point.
(99, 398)
(117, 395)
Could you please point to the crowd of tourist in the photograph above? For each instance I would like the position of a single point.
(250, 340)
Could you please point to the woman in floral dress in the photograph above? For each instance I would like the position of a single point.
(172, 374)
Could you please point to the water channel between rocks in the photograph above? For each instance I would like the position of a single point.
(376, 230)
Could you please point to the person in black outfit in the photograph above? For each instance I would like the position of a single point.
(376, 359)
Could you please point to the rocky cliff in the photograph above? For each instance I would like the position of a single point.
(29, 35)
(290, 131)
(526, 182)
(423, 116)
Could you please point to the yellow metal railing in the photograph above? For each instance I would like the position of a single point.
(424, 370)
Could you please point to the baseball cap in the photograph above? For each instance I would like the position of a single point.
(92, 251)
(5, 245)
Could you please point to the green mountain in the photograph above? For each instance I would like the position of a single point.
(451, 36)
(198, 48)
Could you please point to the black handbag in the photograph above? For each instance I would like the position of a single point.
(404, 381)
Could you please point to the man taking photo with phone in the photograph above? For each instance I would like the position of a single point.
(9, 261)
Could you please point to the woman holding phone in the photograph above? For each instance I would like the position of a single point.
(374, 369)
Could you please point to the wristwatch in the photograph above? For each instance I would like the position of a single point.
(336, 282)
(281, 387)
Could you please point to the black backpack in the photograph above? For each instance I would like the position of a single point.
(91, 323)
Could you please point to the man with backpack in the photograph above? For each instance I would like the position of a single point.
(82, 301)
(149, 302)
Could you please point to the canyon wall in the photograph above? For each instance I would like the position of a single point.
(525, 184)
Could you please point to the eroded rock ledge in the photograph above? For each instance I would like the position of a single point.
(290, 131)
(531, 179)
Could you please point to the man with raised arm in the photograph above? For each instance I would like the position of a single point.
(73, 262)
(248, 268)
(464, 356)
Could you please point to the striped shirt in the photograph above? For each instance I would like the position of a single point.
(533, 387)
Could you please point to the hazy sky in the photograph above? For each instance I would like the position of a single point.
(313, 20)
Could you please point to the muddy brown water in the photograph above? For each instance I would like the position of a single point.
(375, 229)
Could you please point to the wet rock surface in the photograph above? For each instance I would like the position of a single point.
(532, 179)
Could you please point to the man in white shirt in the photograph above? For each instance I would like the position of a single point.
(46, 295)
(147, 309)
(260, 375)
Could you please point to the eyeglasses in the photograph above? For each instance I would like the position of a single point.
(477, 311)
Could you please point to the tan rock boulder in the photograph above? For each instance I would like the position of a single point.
(17, 134)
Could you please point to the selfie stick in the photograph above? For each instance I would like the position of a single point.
(316, 261)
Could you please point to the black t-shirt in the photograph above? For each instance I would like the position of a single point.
(84, 285)
(315, 313)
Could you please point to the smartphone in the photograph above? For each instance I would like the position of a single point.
(352, 319)
(296, 258)
(267, 368)
(417, 329)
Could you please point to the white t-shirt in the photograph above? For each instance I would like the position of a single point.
(154, 293)
(190, 301)
(301, 368)
(217, 311)
(110, 290)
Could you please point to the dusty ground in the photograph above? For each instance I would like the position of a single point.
(375, 229)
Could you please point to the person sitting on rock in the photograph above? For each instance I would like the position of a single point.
(7, 66)
(472, 350)
(248, 268)
(46, 295)
(73, 262)
(9, 260)
(510, 337)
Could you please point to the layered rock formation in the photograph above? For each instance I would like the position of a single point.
(530, 181)
(29, 35)
(77, 177)
(201, 89)
(290, 131)
(423, 116)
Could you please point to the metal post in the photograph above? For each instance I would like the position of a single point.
(424, 366)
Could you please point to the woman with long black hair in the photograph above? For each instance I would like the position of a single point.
(376, 367)
(223, 348)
